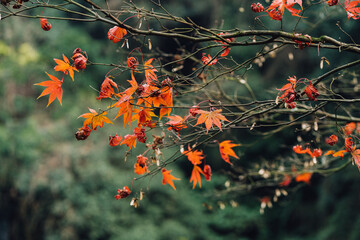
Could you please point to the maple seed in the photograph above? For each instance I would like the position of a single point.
(45, 25)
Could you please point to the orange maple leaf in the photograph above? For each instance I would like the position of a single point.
(336, 154)
(226, 150)
(176, 123)
(304, 177)
(126, 95)
(195, 157)
(168, 178)
(356, 157)
(195, 176)
(126, 109)
(150, 72)
(140, 166)
(210, 118)
(143, 115)
(53, 88)
(349, 128)
(107, 88)
(167, 96)
(65, 67)
(116, 33)
(95, 119)
(130, 141)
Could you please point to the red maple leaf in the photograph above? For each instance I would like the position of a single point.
(168, 178)
(53, 88)
(277, 8)
(351, 9)
(226, 150)
(208, 60)
(311, 91)
(195, 176)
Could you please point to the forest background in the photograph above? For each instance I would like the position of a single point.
(54, 187)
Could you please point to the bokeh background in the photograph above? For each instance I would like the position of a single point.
(55, 187)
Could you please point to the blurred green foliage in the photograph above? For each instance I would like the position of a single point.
(53, 187)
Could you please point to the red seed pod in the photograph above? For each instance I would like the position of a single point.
(332, 2)
(123, 193)
(140, 89)
(332, 140)
(77, 50)
(45, 25)
(132, 63)
(79, 61)
(166, 82)
(140, 134)
(257, 7)
(316, 153)
(83, 133)
(275, 14)
(193, 110)
(5, 2)
(114, 140)
(207, 172)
